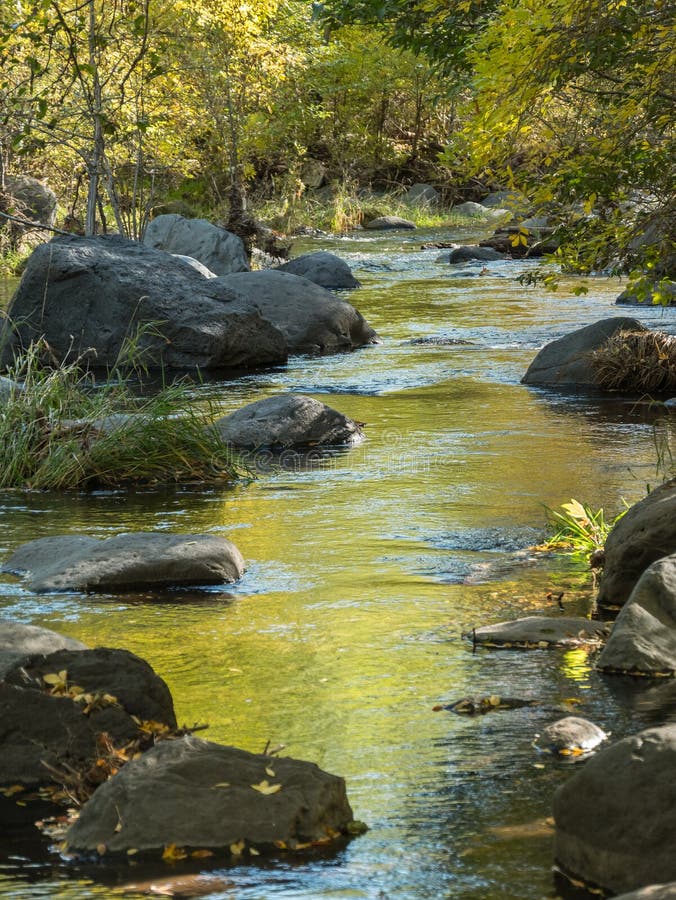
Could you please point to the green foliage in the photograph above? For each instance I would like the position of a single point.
(577, 528)
(63, 432)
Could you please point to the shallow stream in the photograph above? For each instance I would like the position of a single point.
(364, 571)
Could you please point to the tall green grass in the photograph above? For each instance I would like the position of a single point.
(578, 528)
(62, 431)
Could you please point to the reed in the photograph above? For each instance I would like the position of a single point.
(637, 361)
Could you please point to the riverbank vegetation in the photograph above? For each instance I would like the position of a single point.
(58, 430)
(297, 110)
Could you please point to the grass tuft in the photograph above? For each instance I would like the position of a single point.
(637, 361)
(577, 528)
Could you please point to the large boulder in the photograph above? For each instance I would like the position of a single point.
(643, 639)
(644, 534)
(540, 632)
(136, 561)
(422, 195)
(88, 296)
(56, 709)
(312, 319)
(194, 793)
(389, 223)
(287, 420)
(219, 250)
(568, 360)
(32, 199)
(18, 641)
(616, 817)
(325, 269)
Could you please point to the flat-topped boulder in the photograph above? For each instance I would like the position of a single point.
(616, 816)
(220, 251)
(195, 793)
(389, 223)
(288, 420)
(312, 319)
(134, 561)
(18, 641)
(323, 268)
(540, 632)
(569, 360)
(88, 296)
(643, 639)
(644, 534)
(571, 736)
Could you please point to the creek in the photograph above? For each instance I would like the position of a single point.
(365, 568)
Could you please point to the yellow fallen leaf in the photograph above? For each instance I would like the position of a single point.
(254, 852)
(494, 700)
(201, 854)
(56, 678)
(270, 772)
(131, 851)
(172, 853)
(13, 789)
(101, 849)
(222, 784)
(238, 848)
(264, 787)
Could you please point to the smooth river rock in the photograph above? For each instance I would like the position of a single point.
(194, 793)
(135, 561)
(643, 639)
(18, 641)
(312, 319)
(88, 296)
(540, 632)
(472, 252)
(390, 223)
(616, 816)
(325, 269)
(288, 420)
(220, 251)
(644, 534)
(653, 892)
(570, 736)
(568, 360)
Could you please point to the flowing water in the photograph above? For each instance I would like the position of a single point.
(364, 570)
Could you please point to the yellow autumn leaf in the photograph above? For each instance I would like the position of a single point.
(101, 849)
(132, 851)
(172, 853)
(201, 854)
(264, 787)
(254, 852)
(270, 772)
(238, 848)
(13, 789)
(221, 784)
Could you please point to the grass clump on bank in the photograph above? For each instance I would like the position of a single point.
(637, 361)
(578, 528)
(60, 431)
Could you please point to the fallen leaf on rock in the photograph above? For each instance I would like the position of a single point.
(201, 854)
(221, 784)
(270, 772)
(264, 787)
(238, 848)
(13, 789)
(172, 853)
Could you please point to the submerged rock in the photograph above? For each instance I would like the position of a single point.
(644, 534)
(312, 319)
(540, 632)
(571, 736)
(568, 360)
(194, 793)
(643, 639)
(288, 420)
(133, 561)
(616, 817)
(325, 269)
(479, 706)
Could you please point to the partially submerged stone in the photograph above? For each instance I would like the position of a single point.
(134, 561)
(323, 268)
(194, 793)
(541, 632)
(288, 420)
(472, 252)
(616, 817)
(390, 223)
(568, 360)
(644, 534)
(571, 736)
(479, 706)
(18, 641)
(643, 639)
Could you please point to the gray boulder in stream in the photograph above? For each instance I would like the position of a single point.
(87, 296)
(18, 641)
(571, 736)
(325, 269)
(134, 561)
(644, 534)
(540, 632)
(312, 319)
(288, 420)
(568, 360)
(219, 250)
(616, 817)
(643, 639)
(195, 793)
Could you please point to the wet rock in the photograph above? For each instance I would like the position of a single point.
(653, 892)
(473, 252)
(18, 641)
(643, 639)
(287, 420)
(58, 724)
(568, 360)
(195, 264)
(325, 269)
(479, 706)
(644, 534)
(541, 632)
(616, 817)
(662, 292)
(194, 793)
(86, 297)
(133, 561)
(571, 736)
(219, 250)
(389, 223)
(312, 319)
